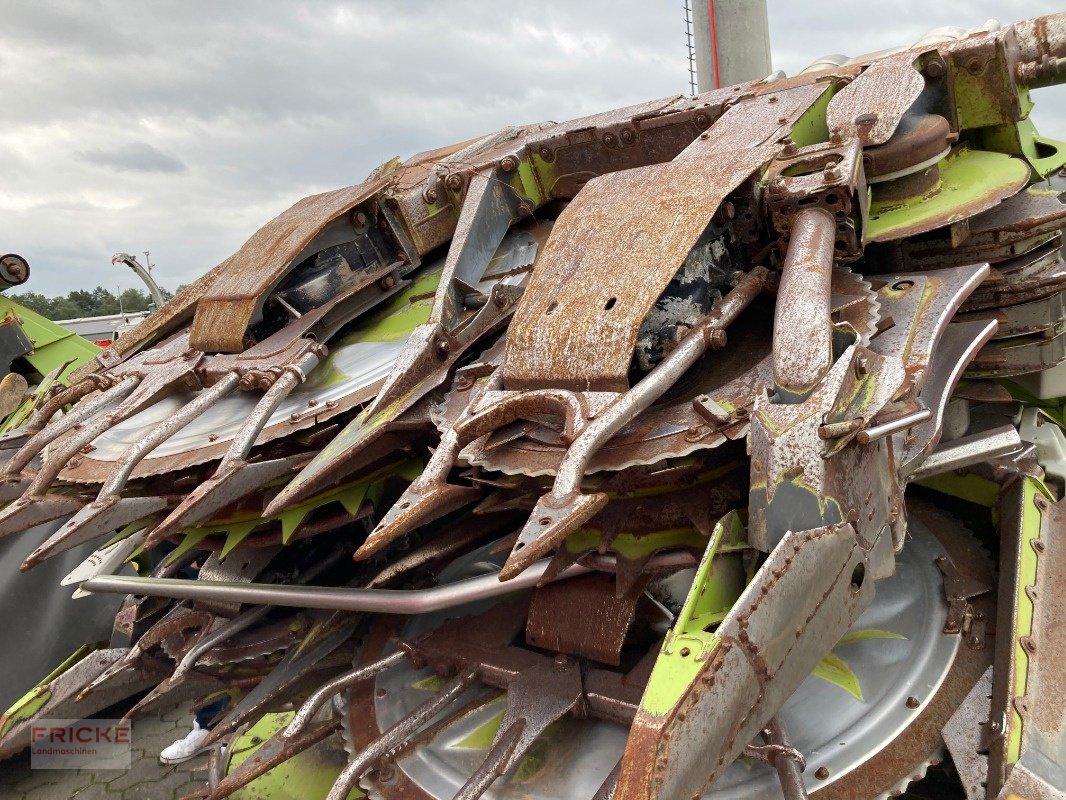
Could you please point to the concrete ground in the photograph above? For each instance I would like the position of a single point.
(147, 779)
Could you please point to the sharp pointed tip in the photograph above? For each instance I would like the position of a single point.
(155, 537)
(282, 502)
(512, 568)
(375, 542)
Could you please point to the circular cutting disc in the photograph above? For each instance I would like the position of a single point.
(849, 710)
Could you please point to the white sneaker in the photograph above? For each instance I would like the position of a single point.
(184, 749)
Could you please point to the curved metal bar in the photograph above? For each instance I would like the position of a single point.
(310, 707)
(665, 374)
(155, 437)
(69, 395)
(339, 598)
(293, 376)
(222, 633)
(803, 327)
(40, 440)
(400, 732)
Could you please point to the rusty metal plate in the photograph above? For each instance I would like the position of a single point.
(871, 106)
(609, 257)
(626, 234)
(581, 617)
(707, 408)
(243, 280)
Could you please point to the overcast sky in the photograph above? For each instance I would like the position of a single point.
(181, 127)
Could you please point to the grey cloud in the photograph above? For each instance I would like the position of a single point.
(134, 157)
(265, 101)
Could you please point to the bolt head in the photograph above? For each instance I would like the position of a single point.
(934, 69)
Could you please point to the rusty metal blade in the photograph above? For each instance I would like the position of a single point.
(956, 348)
(415, 508)
(804, 597)
(536, 697)
(341, 683)
(26, 512)
(96, 519)
(551, 522)
(241, 282)
(489, 209)
(229, 483)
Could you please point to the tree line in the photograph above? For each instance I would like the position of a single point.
(86, 303)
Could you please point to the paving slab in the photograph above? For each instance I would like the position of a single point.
(146, 779)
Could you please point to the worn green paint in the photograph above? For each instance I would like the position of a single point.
(811, 128)
(400, 314)
(1032, 488)
(673, 672)
(350, 495)
(1055, 408)
(979, 101)
(835, 669)
(482, 737)
(434, 683)
(965, 176)
(1045, 156)
(33, 701)
(528, 182)
(972, 488)
(303, 777)
(866, 634)
(53, 346)
(188, 542)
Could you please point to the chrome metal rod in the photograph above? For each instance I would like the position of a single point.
(310, 707)
(339, 598)
(803, 329)
(893, 426)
